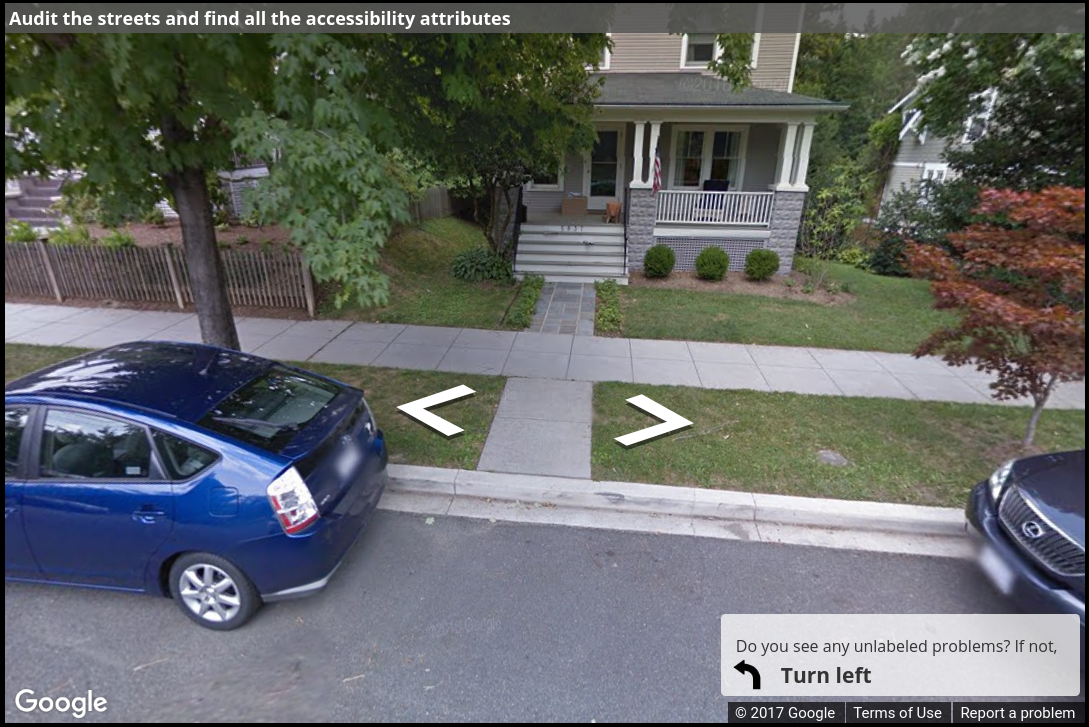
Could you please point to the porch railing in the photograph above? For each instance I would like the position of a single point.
(715, 208)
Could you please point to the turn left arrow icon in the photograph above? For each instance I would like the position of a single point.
(418, 410)
(671, 422)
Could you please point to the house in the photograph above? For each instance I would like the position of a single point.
(732, 164)
(921, 155)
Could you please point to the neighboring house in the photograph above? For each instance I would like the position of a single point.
(921, 155)
(733, 164)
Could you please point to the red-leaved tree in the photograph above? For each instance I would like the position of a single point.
(1018, 280)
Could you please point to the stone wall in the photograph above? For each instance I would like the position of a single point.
(786, 221)
(642, 214)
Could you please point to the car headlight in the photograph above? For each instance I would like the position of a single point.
(998, 480)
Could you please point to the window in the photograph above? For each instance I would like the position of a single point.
(269, 410)
(702, 154)
(698, 49)
(933, 174)
(182, 459)
(90, 446)
(548, 180)
(14, 426)
(606, 57)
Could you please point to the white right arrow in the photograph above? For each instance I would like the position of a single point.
(671, 422)
(418, 409)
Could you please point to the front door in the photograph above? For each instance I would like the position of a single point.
(99, 508)
(604, 176)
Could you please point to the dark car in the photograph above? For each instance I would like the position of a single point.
(220, 479)
(1030, 518)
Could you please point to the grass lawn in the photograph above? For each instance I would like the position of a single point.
(925, 453)
(422, 291)
(888, 314)
(409, 441)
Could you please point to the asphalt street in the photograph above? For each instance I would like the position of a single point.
(451, 619)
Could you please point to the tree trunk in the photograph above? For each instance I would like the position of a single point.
(206, 276)
(1041, 401)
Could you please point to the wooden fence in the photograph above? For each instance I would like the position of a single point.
(258, 278)
(436, 202)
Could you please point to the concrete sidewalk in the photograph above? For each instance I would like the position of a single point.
(536, 355)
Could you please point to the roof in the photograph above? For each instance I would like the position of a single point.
(697, 90)
(182, 380)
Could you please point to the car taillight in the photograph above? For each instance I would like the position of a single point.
(292, 502)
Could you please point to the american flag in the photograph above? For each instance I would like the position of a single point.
(657, 172)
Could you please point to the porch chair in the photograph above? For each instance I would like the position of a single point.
(709, 208)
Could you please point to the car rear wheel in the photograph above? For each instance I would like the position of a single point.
(213, 591)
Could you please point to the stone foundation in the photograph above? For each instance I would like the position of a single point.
(786, 222)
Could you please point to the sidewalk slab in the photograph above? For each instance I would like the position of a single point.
(731, 376)
(411, 356)
(599, 368)
(536, 365)
(371, 332)
(427, 336)
(728, 353)
(473, 360)
(869, 383)
(550, 401)
(665, 372)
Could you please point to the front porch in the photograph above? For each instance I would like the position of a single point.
(702, 167)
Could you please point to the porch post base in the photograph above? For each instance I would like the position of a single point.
(786, 223)
(642, 214)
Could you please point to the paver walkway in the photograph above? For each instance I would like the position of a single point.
(536, 355)
(565, 308)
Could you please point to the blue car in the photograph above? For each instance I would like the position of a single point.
(216, 478)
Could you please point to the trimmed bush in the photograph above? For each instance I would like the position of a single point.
(712, 263)
(888, 257)
(480, 263)
(521, 312)
(854, 256)
(608, 317)
(118, 239)
(155, 216)
(761, 264)
(659, 261)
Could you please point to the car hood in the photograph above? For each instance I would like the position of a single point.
(1056, 485)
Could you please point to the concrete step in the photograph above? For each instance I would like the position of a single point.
(550, 259)
(567, 248)
(594, 272)
(554, 278)
(580, 229)
(28, 204)
(36, 220)
(570, 238)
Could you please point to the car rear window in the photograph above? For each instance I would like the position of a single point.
(269, 410)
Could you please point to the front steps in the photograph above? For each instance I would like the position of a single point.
(572, 253)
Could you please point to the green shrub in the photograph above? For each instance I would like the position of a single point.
(521, 312)
(761, 264)
(659, 261)
(608, 317)
(480, 263)
(19, 231)
(712, 263)
(118, 239)
(854, 256)
(71, 235)
(78, 204)
(888, 257)
(155, 216)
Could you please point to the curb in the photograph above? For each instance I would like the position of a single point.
(684, 502)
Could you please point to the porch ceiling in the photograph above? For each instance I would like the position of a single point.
(689, 90)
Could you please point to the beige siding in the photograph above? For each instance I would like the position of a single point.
(915, 152)
(549, 200)
(761, 156)
(775, 61)
(645, 53)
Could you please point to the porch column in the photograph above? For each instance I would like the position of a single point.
(655, 130)
(786, 155)
(637, 178)
(802, 164)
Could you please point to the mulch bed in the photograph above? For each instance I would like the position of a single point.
(736, 282)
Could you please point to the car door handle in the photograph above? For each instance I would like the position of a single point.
(148, 516)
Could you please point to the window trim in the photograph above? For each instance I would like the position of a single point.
(606, 59)
(989, 99)
(532, 186)
(716, 53)
(708, 150)
(755, 47)
(155, 476)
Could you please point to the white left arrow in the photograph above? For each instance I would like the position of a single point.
(418, 409)
(671, 422)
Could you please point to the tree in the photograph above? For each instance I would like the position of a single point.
(490, 110)
(1020, 74)
(328, 139)
(145, 116)
(1017, 276)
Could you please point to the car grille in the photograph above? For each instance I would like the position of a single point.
(1038, 537)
